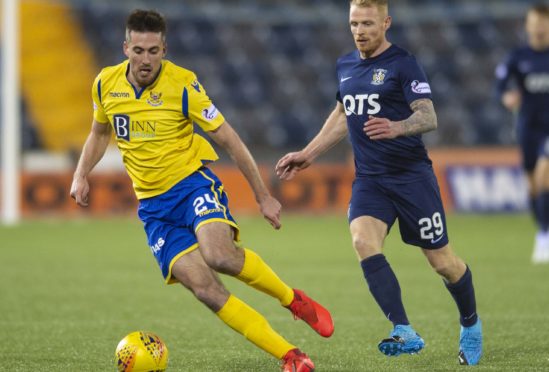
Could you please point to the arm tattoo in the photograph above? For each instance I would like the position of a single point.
(424, 118)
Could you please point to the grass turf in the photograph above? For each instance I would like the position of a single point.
(70, 290)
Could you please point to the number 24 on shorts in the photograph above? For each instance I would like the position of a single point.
(201, 204)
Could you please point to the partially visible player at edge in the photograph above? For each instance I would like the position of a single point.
(151, 104)
(523, 88)
(384, 104)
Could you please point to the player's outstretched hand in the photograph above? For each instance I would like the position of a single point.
(512, 100)
(290, 164)
(381, 128)
(80, 189)
(270, 208)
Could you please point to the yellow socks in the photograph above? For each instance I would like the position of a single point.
(248, 322)
(259, 275)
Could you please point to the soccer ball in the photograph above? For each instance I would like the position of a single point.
(141, 352)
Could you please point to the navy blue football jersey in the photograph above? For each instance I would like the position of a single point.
(529, 71)
(383, 86)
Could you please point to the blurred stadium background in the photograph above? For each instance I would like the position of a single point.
(268, 64)
(270, 67)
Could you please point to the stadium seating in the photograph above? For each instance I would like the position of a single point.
(56, 70)
(270, 65)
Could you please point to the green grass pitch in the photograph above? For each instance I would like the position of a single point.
(70, 290)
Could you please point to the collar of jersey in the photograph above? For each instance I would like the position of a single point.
(383, 54)
(139, 92)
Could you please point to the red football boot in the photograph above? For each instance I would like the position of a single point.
(311, 312)
(296, 361)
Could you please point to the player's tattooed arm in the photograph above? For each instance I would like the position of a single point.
(424, 118)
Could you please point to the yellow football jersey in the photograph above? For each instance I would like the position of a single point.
(154, 125)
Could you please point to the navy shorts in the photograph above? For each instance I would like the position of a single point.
(417, 205)
(171, 219)
(533, 145)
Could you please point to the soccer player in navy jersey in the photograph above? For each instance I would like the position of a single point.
(527, 67)
(384, 104)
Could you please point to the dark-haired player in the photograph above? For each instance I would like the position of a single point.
(523, 87)
(150, 104)
(384, 104)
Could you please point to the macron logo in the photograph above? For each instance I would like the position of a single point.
(345, 79)
(119, 94)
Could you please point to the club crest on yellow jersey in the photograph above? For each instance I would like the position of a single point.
(155, 99)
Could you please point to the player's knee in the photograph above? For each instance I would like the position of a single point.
(365, 247)
(217, 262)
(203, 294)
(450, 269)
(442, 268)
(213, 296)
(227, 261)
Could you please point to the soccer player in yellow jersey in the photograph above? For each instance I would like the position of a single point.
(150, 104)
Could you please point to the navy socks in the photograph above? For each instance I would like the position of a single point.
(533, 202)
(463, 293)
(543, 211)
(384, 287)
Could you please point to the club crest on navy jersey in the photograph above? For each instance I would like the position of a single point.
(378, 77)
(155, 99)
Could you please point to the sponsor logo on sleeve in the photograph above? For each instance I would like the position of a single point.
(210, 113)
(420, 87)
(196, 85)
(501, 71)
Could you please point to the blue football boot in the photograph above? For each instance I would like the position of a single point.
(403, 340)
(470, 344)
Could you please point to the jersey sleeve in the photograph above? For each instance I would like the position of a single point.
(504, 74)
(338, 79)
(198, 107)
(98, 111)
(414, 81)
